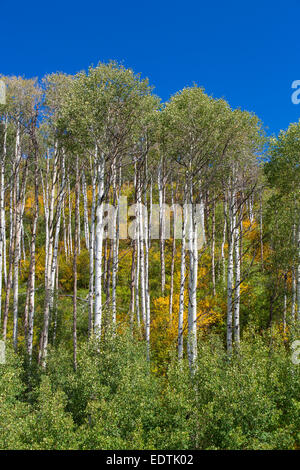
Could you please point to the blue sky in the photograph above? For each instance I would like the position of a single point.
(245, 52)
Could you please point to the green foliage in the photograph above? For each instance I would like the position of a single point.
(114, 401)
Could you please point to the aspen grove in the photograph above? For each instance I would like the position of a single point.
(173, 324)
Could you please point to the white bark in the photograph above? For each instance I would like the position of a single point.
(115, 244)
(193, 272)
(91, 252)
(230, 268)
(85, 212)
(237, 290)
(161, 225)
(147, 291)
(2, 211)
(182, 283)
(98, 248)
(18, 219)
(223, 243)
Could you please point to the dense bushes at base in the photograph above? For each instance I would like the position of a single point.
(114, 401)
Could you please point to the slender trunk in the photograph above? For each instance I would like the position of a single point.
(284, 304)
(85, 212)
(75, 267)
(213, 268)
(237, 289)
(17, 251)
(10, 266)
(138, 255)
(132, 284)
(98, 249)
(172, 260)
(147, 291)
(230, 267)
(31, 278)
(2, 212)
(115, 244)
(223, 243)
(91, 253)
(141, 216)
(182, 283)
(48, 262)
(161, 225)
(193, 271)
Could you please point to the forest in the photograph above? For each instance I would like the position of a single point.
(149, 269)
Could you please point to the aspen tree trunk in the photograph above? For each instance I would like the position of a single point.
(11, 223)
(2, 211)
(294, 287)
(17, 248)
(223, 243)
(132, 284)
(213, 268)
(193, 271)
(251, 214)
(66, 248)
(141, 216)
(284, 304)
(70, 220)
(10, 267)
(57, 231)
(107, 286)
(85, 212)
(105, 262)
(161, 225)
(237, 289)
(19, 216)
(230, 267)
(182, 281)
(4, 235)
(46, 210)
(91, 252)
(31, 278)
(115, 244)
(138, 256)
(55, 313)
(173, 259)
(75, 267)
(22, 243)
(98, 249)
(150, 214)
(147, 291)
(79, 225)
(48, 262)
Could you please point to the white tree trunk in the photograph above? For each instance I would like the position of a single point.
(91, 252)
(237, 290)
(98, 248)
(161, 226)
(230, 268)
(2, 211)
(182, 283)
(85, 212)
(193, 272)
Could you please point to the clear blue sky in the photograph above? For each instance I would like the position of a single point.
(245, 52)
